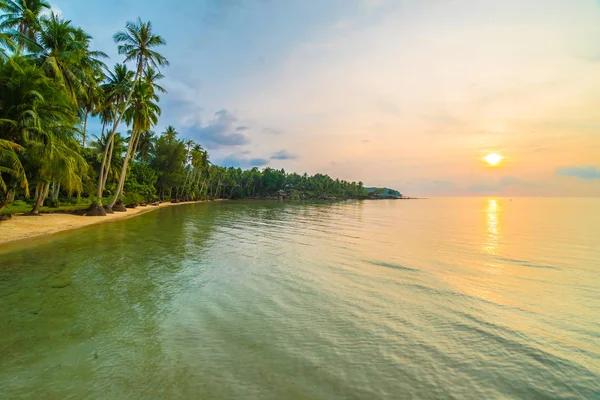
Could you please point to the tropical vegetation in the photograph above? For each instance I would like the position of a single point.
(52, 82)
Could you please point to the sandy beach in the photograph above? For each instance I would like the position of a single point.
(21, 227)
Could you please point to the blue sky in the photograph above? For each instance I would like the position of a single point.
(404, 93)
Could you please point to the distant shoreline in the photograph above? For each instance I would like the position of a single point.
(22, 227)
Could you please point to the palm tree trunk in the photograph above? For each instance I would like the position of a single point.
(103, 168)
(42, 192)
(52, 190)
(107, 167)
(123, 174)
(85, 120)
(202, 187)
(117, 121)
(135, 148)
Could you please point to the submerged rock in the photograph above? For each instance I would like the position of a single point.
(61, 280)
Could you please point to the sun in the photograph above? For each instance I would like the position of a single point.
(493, 159)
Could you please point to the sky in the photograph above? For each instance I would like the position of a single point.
(408, 94)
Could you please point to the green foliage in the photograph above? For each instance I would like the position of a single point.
(383, 192)
(52, 82)
(141, 183)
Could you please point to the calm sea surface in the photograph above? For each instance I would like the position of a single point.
(445, 298)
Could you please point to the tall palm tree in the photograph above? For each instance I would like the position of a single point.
(141, 115)
(116, 88)
(115, 155)
(66, 55)
(21, 20)
(137, 43)
(91, 100)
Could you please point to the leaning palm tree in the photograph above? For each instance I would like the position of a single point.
(136, 43)
(21, 20)
(141, 115)
(116, 88)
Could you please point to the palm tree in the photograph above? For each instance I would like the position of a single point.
(137, 44)
(91, 100)
(66, 55)
(6, 43)
(42, 121)
(21, 20)
(11, 165)
(141, 115)
(116, 89)
(170, 133)
(151, 76)
(145, 145)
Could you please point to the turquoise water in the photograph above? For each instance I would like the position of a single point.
(444, 298)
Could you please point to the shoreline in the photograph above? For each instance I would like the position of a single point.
(22, 227)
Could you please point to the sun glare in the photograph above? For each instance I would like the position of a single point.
(493, 159)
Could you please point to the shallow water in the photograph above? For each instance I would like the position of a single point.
(444, 298)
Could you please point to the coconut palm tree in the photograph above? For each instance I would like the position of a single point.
(141, 114)
(115, 155)
(6, 43)
(151, 76)
(11, 166)
(145, 145)
(137, 43)
(116, 88)
(91, 100)
(66, 55)
(21, 20)
(43, 122)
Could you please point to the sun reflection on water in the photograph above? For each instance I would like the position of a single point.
(492, 242)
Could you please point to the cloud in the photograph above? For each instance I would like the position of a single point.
(271, 131)
(240, 161)
(219, 132)
(586, 172)
(242, 128)
(365, 141)
(284, 155)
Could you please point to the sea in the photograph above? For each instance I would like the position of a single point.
(443, 298)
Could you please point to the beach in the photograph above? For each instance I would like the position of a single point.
(21, 227)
